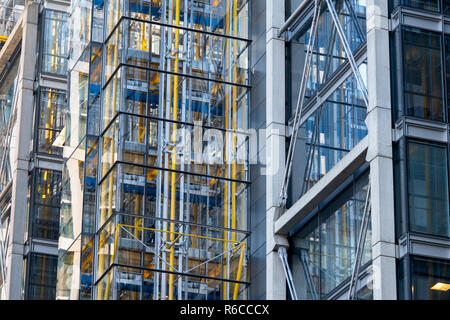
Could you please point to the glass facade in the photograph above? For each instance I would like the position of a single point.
(337, 125)
(334, 129)
(45, 181)
(420, 94)
(322, 252)
(160, 113)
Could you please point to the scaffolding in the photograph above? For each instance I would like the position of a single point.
(172, 219)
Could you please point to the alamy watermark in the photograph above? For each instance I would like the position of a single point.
(209, 146)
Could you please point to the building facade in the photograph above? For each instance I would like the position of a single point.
(225, 149)
(33, 103)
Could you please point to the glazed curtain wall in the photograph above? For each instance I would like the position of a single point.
(421, 74)
(322, 252)
(55, 47)
(171, 220)
(421, 186)
(337, 125)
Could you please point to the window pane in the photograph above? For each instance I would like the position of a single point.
(51, 121)
(42, 277)
(447, 71)
(45, 212)
(446, 7)
(55, 49)
(422, 4)
(428, 189)
(430, 278)
(323, 252)
(423, 74)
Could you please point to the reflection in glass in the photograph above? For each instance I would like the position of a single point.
(55, 48)
(428, 189)
(423, 74)
(323, 251)
(42, 277)
(45, 212)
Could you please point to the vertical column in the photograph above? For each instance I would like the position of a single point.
(275, 144)
(24, 122)
(379, 153)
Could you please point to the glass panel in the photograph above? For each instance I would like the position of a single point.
(68, 277)
(90, 189)
(130, 43)
(203, 263)
(447, 71)
(72, 194)
(51, 121)
(126, 187)
(8, 93)
(80, 27)
(446, 7)
(87, 271)
(45, 214)
(95, 81)
(323, 252)
(171, 176)
(333, 130)
(433, 5)
(55, 49)
(328, 53)
(428, 189)
(42, 277)
(430, 279)
(423, 74)
(75, 124)
(211, 16)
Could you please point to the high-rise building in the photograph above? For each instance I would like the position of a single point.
(225, 149)
(33, 84)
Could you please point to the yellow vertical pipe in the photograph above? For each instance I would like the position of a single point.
(239, 273)
(225, 187)
(140, 134)
(174, 139)
(234, 100)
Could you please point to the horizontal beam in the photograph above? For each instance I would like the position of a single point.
(329, 182)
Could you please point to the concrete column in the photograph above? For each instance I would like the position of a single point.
(379, 153)
(24, 123)
(275, 144)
